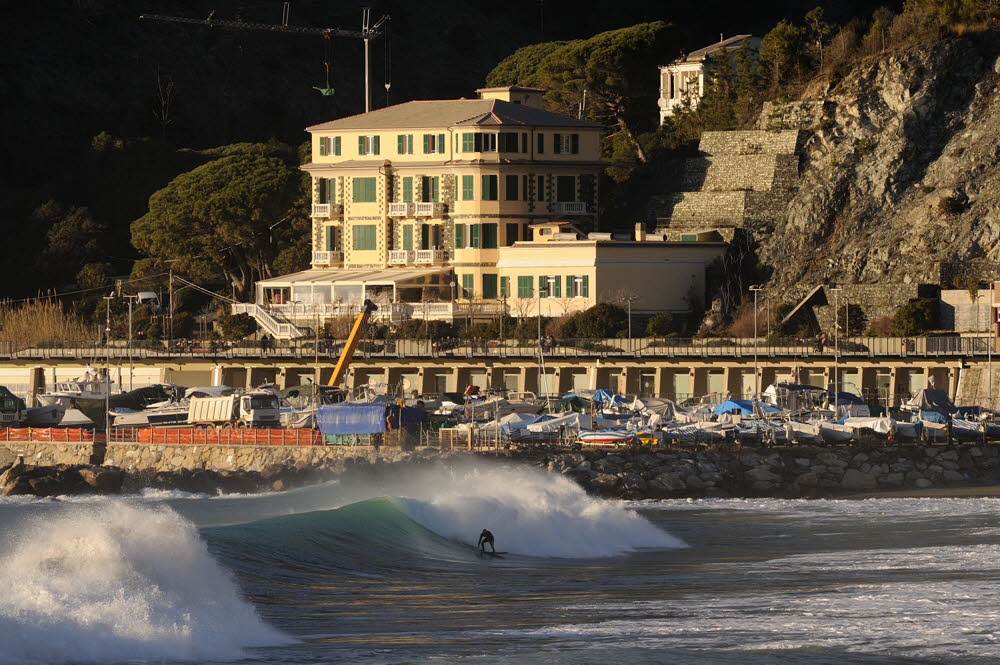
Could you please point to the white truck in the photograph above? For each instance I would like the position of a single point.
(254, 409)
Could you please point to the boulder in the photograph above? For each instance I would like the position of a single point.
(922, 483)
(607, 465)
(894, 479)
(633, 482)
(101, 479)
(807, 480)
(604, 481)
(858, 480)
(669, 482)
(763, 474)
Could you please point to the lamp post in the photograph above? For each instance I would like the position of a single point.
(836, 349)
(756, 372)
(628, 301)
(131, 299)
(989, 347)
(107, 363)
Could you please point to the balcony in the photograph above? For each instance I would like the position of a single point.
(571, 208)
(327, 258)
(430, 209)
(327, 209)
(429, 256)
(401, 256)
(401, 209)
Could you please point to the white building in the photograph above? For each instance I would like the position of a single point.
(683, 80)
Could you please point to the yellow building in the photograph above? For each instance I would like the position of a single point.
(415, 205)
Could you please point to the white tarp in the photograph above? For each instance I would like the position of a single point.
(570, 421)
(877, 425)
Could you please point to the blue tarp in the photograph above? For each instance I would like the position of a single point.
(607, 397)
(348, 418)
(743, 407)
(934, 417)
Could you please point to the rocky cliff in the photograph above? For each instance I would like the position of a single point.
(901, 171)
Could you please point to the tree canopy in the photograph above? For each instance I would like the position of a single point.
(218, 218)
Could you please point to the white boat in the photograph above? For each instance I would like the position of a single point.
(173, 411)
(92, 386)
(606, 438)
(49, 415)
(835, 432)
(810, 433)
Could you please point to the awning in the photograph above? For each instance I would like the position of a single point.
(326, 277)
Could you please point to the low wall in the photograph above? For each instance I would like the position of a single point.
(47, 453)
(153, 457)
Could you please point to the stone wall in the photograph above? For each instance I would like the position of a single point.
(142, 457)
(751, 142)
(876, 300)
(792, 115)
(48, 453)
(960, 312)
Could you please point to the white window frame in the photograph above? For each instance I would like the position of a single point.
(369, 145)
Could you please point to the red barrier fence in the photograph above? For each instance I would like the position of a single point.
(220, 437)
(54, 434)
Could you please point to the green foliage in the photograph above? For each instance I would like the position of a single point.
(72, 238)
(522, 66)
(218, 218)
(661, 324)
(781, 51)
(600, 321)
(414, 329)
(852, 319)
(236, 326)
(94, 275)
(819, 32)
(915, 317)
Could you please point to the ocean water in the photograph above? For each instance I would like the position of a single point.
(382, 570)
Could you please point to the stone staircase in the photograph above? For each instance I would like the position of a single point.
(742, 178)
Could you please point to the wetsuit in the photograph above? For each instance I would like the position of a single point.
(486, 537)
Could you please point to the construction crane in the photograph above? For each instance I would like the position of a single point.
(347, 354)
(367, 33)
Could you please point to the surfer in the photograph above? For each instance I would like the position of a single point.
(486, 537)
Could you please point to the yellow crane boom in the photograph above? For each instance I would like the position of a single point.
(347, 354)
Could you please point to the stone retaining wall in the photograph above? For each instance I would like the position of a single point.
(751, 142)
(46, 453)
(143, 457)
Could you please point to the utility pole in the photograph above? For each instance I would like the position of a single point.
(756, 371)
(131, 367)
(836, 351)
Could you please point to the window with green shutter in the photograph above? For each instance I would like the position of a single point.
(586, 286)
(510, 187)
(468, 192)
(336, 145)
(489, 286)
(467, 281)
(504, 287)
(489, 236)
(408, 189)
(363, 236)
(331, 190)
(364, 190)
(323, 192)
(468, 142)
(368, 145)
(508, 141)
(330, 238)
(404, 144)
(408, 237)
(429, 189)
(570, 286)
(490, 187)
(324, 146)
(362, 145)
(524, 287)
(375, 149)
(474, 235)
(460, 236)
(440, 144)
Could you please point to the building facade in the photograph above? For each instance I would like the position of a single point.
(682, 82)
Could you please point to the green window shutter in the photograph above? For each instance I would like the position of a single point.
(460, 236)
(435, 188)
(468, 144)
(586, 286)
(467, 285)
(574, 146)
(331, 193)
(511, 234)
(467, 188)
(336, 145)
(401, 144)
(490, 187)
(324, 146)
(489, 236)
(427, 143)
(363, 237)
(510, 185)
(541, 143)
(504, 287)
(477, 142)
(321, 183)
(408, 189)
(557, 287)
(557, 143)
(474, 233)
(524, 287)
(331, 238)
(440, 145)
(569, 285)
(376, 148)
(361, 145)
(489, 286)
(542, 286)
(408, 236)
(364, 190)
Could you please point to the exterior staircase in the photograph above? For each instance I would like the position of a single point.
(272, 325)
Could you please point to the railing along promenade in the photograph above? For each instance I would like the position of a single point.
(856, 348)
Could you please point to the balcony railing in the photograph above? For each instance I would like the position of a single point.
(571, 208)
(327, 258)
(401, 209)
(327, 209)
(430, 209)
(430, 256)
(401, 256)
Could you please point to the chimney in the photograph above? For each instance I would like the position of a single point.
(721, 37)
(640, 231)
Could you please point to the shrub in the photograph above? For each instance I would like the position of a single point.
(600, 321)
(880, 326)
(236, 326)
(915, 317)
(661, 324)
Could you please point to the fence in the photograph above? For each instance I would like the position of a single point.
(216, 437)
(326, 349)
(45, 434)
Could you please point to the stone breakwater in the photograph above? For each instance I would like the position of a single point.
(793, 472)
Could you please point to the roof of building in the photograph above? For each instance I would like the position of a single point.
(511, 88)
(452, 113)
(724, 45)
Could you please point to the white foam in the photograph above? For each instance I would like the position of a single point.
(119, 582)
(530, 513)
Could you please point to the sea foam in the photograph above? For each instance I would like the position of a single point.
(530, 513)
(119, 582)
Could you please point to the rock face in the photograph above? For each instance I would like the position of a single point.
(901, 172)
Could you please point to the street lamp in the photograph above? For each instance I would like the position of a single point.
(107, 363)
(130, 299)
(757, 288)
(628, 301)
(836, 349)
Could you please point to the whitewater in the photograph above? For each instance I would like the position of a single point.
(383, 569)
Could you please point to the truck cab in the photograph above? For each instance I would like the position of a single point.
(12, 409)
(259, 409)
